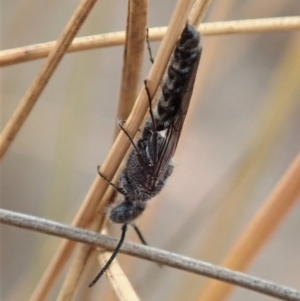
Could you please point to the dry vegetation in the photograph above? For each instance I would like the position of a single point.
(233, 198)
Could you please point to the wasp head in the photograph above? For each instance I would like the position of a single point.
(126, 211)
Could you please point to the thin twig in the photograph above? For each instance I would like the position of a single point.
(37, 51)
(149, 253)
(36, 88)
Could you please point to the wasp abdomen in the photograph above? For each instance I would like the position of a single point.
(180, 69)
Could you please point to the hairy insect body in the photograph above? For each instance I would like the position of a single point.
(149, 164)
(138, 179)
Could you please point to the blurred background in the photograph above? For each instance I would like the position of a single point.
(241, 134)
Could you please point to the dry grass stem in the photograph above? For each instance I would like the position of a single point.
(36, 88)
(130, 83)
(252, 26)
(37, 51)
(119, 148)
(198, 11)
(118, 280)
(72, 279)
(263, 224)
(154, 254)
(132, 65)
(133, 56)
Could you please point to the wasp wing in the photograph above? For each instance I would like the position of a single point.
(167, 149)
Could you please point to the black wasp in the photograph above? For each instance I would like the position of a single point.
(149, 165)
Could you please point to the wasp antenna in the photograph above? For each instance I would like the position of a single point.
(112, 257)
